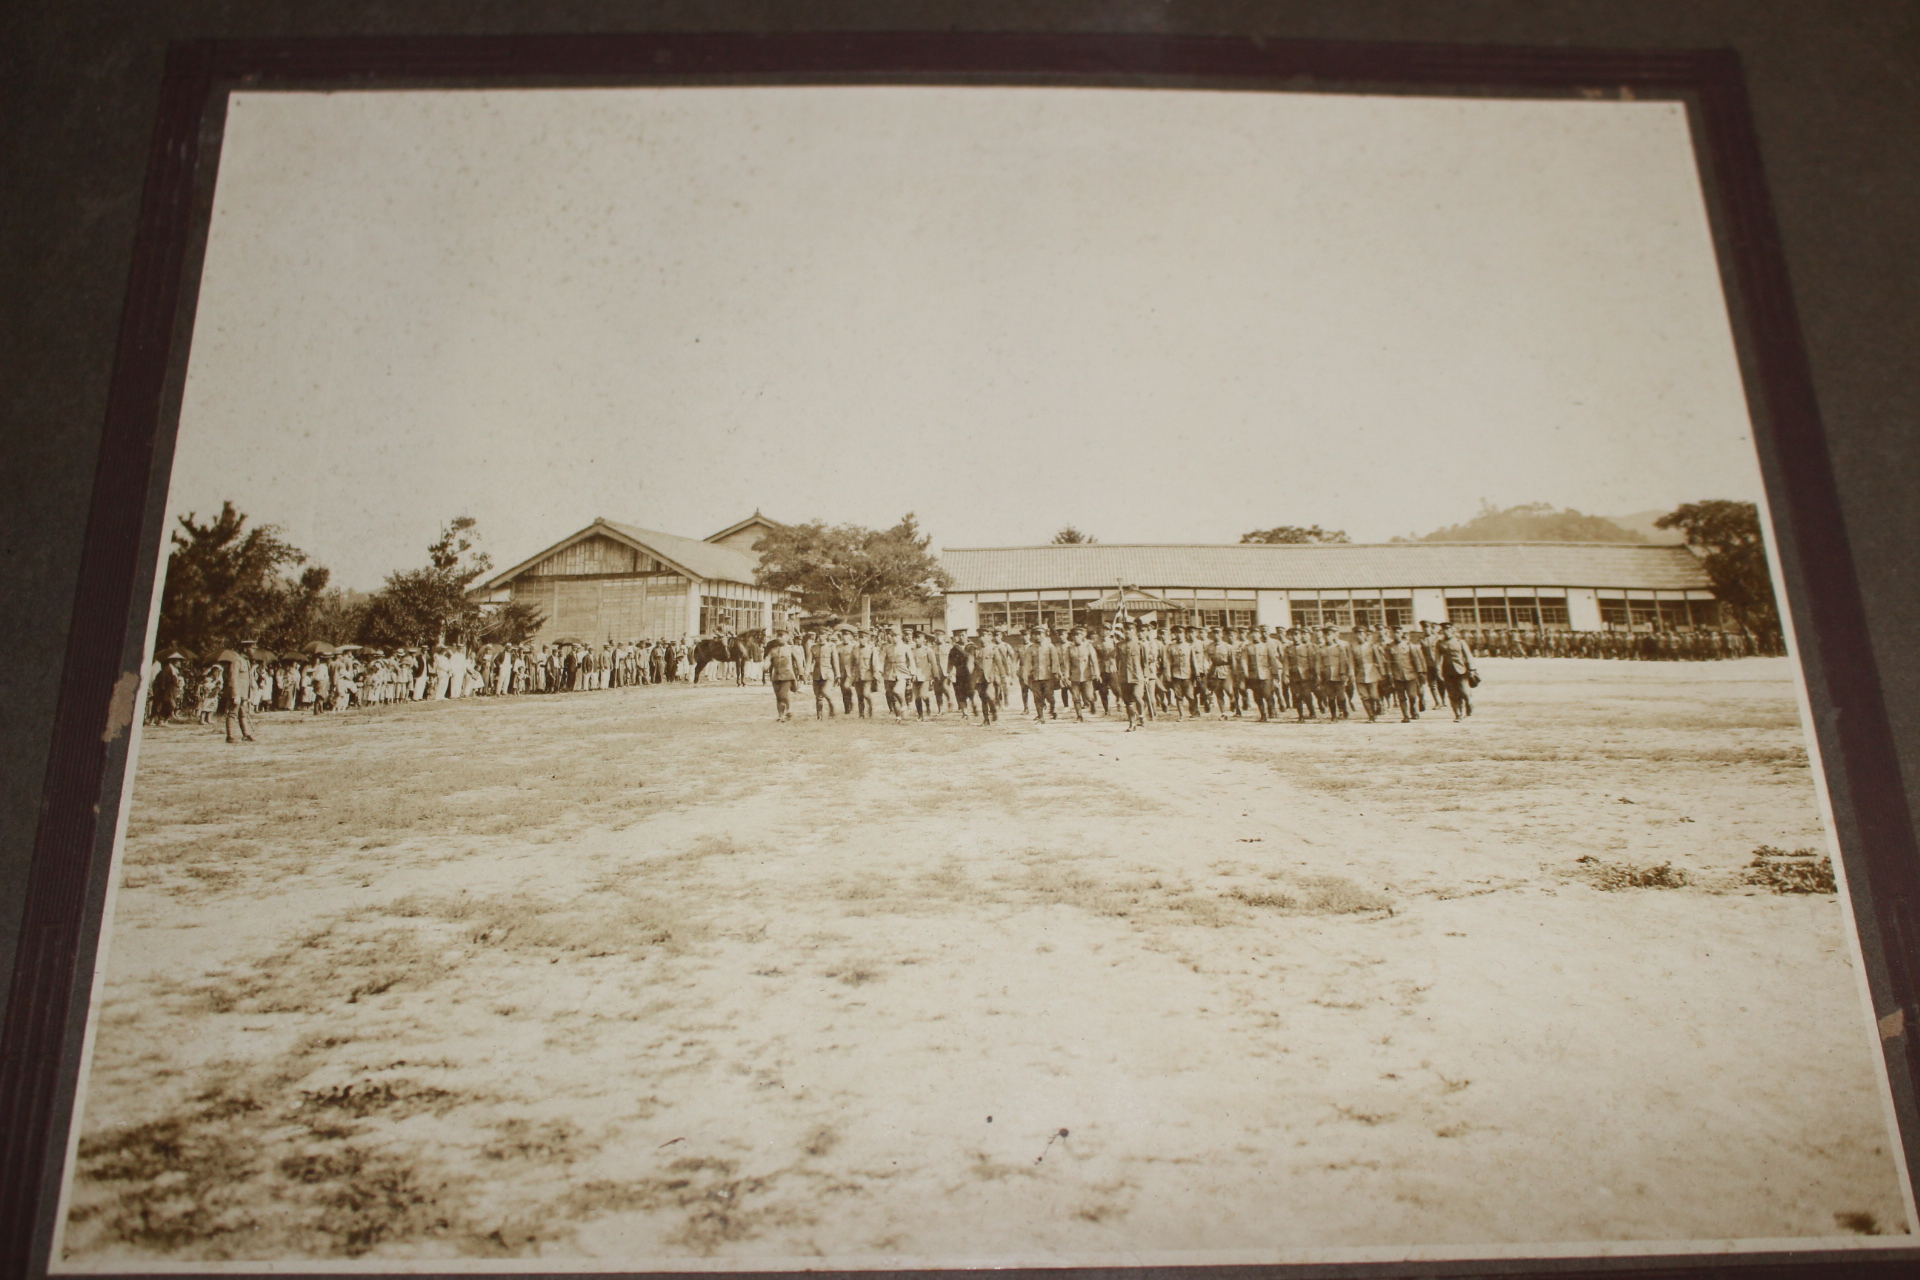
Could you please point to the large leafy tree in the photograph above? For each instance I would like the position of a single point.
(515, 622)
(301, 601)
(1073, 536)
(226, 582)
(837, 568)
(1533, 522)
(430, 606)
(1726, 535)
(1294, 533)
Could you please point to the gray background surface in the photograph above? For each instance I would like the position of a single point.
(1836, 93)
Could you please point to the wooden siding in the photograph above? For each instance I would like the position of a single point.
(596, 556)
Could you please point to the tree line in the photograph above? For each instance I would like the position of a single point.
(227, 582)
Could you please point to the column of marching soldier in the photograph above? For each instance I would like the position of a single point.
(1143, 671)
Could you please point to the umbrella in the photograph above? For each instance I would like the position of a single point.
(346, 648)
(228, 655)
(263, 655)
(316, 646)
(176, 656)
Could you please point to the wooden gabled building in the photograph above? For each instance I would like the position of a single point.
(617, 582)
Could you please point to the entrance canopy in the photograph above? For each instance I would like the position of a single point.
(1129, 600)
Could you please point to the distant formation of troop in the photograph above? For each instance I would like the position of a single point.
(1142, 671)
(1648, 646)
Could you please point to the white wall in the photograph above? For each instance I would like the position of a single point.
(1272, 610)
(963, 612)
(1429, 604)
(1583, 609)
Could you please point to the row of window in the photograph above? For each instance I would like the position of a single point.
(1507, 611)
(1397, 611)
(1061, 615)
(1668, 615)
(718, 613)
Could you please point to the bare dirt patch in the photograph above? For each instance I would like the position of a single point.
(644, 976)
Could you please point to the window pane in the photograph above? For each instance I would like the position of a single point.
(1493, 613)
(1553, 611)
(1460, 611)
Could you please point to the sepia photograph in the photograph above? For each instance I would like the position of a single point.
(784, 676)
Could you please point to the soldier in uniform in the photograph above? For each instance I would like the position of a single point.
(1336, 673)
(1178, 656)
(236, 680)
(823, 665)
(1131, 667)
(1082, 663)
(1455, 664)
(1404, 673)
(786, 665)
(960, 671)
(1369, 663)
(987, 667)
(896, 672)
(1038, 670)
(1303, 673)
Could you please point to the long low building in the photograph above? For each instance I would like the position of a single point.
(1583, 586)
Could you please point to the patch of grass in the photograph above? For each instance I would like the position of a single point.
(1317, 896)
(198, 1182)
(1613, 876)
(719, 1205)
(555, 1142)
(1802, 871)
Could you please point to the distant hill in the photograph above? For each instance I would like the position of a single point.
(1540, 522)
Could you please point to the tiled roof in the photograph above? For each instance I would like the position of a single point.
(701, 559)
(1326, 566)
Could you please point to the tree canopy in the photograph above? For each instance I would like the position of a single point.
(1533, 522)
(1294, 533)
(1732, 549)
(227, 583)
(428, 606)
(1071, 536)
(835, 568)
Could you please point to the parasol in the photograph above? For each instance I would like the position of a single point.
(316, 646)
(228, 655)
(346, 648)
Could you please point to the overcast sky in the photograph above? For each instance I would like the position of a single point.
(1164, 316)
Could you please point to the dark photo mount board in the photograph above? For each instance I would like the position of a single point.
(82, 781)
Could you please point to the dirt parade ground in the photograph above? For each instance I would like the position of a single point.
(642, 976)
